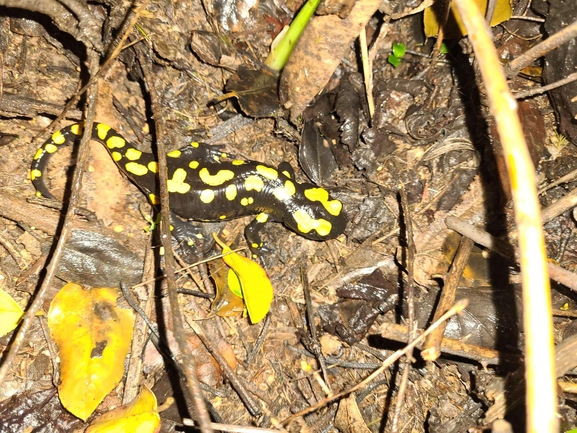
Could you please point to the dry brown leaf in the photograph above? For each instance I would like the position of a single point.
(319, 52)
(348, 418)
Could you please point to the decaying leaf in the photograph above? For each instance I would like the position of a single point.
(348, 418)
(319, 52)
(228, 298)
(93, 337)
(140, 415)
(10, 313)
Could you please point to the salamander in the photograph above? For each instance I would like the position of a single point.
(206, 185)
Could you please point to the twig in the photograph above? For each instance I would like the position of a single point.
(549, 44)
(188, 362)
(538, 324)
(248, 401)
(315, 346)
(30, 314)
(538, 90)
(457, 308)
(62, 18)
(557, 273)
(411, 251)
(569, 177)
(259, 341)
(232, 428)
(568, 201)
(14, 253)
(432, 346)
(484, 356)
(367, 72)
(130, 23)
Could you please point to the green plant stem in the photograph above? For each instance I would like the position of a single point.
(280, 54)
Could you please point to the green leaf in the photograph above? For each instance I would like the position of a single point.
(393, 60)
(399, 50)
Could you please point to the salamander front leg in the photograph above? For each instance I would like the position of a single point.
(192, 238)
(252, 235)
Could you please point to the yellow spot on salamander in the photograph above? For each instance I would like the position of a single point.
(333, 207)
(153, 199)
(50, 148)
(246, 201)
(231, 192)
(267, 172)
(153, 166)
(306, 223)
(38, 194)
(116, 142)
(254, 245)
(217, 179)
(193, 164)
(136, 168)
(287, 174)
(116, 156)
(262, 218)
(284, 192)
(223, 155)
(35, 174)
(39, 153)
(102, 130)
(207, 195)
(177, 183)
(174, 154)
(222, 217)
(76, 129)
(132, 154)
(253, 182)
(238, 162)
(57, 138)
(194, 144)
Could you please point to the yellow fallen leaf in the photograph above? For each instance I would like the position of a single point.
(256, 287)
(140, 415)
(93, 336)
(455, 27)
(10, 313)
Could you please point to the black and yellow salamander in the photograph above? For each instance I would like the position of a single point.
(206, 186)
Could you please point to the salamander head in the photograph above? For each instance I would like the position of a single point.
(318, 216)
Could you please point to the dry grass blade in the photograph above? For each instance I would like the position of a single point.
(541, 396)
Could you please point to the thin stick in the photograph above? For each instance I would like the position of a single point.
(499, 246)
(432, 346)
(538, 90)
(74, 199)
(538, 324)
(549, 44)
(411, 252)
(457, 308)
(367, 72)
(188, 363)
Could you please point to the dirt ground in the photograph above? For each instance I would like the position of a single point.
(431, 136)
